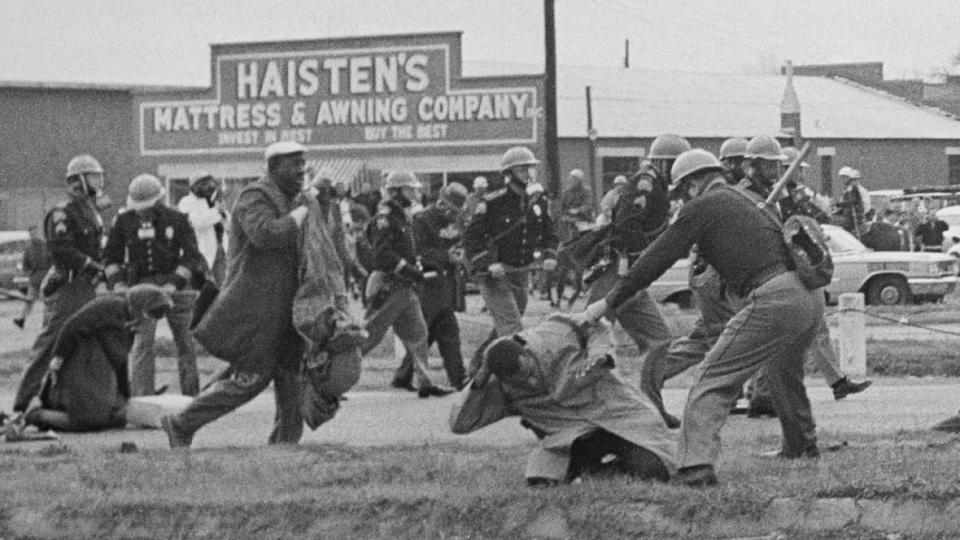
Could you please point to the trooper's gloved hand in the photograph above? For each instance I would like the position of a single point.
(497, 270)
(92, 267)
(409, 272)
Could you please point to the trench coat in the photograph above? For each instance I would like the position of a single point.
(579, 392)
(92, 385)
(251, 317)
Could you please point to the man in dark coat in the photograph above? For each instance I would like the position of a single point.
(250, 323)
(86, 386)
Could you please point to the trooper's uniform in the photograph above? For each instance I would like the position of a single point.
(392, 295)
(638, 217)
(74, 232)
(438, 294)
(506, 229)
(774, 326)
(157, 245)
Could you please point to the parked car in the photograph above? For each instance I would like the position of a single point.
(12, 246)
(951, 216)
(884, 277)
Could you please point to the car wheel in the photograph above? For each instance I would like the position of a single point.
(888, 291)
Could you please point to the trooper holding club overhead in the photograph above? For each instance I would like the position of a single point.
(501, 241)
(773, 326)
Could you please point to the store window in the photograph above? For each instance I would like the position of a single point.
(953, 169)
(612, 166)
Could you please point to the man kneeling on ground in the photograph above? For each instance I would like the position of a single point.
(86, 387)
(558, 377)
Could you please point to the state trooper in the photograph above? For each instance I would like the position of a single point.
(501, 242)
(772, 327)
(640, 215)
(74, 233)
(437, 232)
(765, 160)
(152, 243)
(392, 285)
(731, 157)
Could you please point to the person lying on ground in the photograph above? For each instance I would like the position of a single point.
(561, 380)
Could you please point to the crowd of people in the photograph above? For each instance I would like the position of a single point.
(407, 262)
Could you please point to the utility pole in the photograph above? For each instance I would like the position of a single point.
(551, 165)
(596, 183)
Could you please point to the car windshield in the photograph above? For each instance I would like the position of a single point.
(840, 241)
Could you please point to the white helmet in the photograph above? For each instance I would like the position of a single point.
(480, 182)
(846, 171)
(144, 191)
(516, 156)
(402, 179)
(692, 162)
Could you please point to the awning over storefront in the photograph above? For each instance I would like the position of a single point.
(436, 164)
(343, 169)
(221, 169)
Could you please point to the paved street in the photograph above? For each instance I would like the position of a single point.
(387, 418)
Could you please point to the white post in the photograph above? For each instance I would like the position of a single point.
(852, 335)
(399, 351)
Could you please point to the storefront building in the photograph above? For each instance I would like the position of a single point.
(367, 105)
(361, 106)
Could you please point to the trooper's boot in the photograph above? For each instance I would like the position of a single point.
(761, 406)
(950, 425)
(697, 476)
(844, 387)
(433, 391)
(811, 452)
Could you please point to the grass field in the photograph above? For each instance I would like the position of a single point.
(904, 484)
(449, 491)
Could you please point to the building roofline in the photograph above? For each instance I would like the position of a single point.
(96, 87)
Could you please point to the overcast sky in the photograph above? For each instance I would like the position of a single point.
(167, 41)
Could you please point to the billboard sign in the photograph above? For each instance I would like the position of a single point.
(338, 95)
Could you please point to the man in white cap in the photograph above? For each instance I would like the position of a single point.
(152, 243)
(250, 324)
